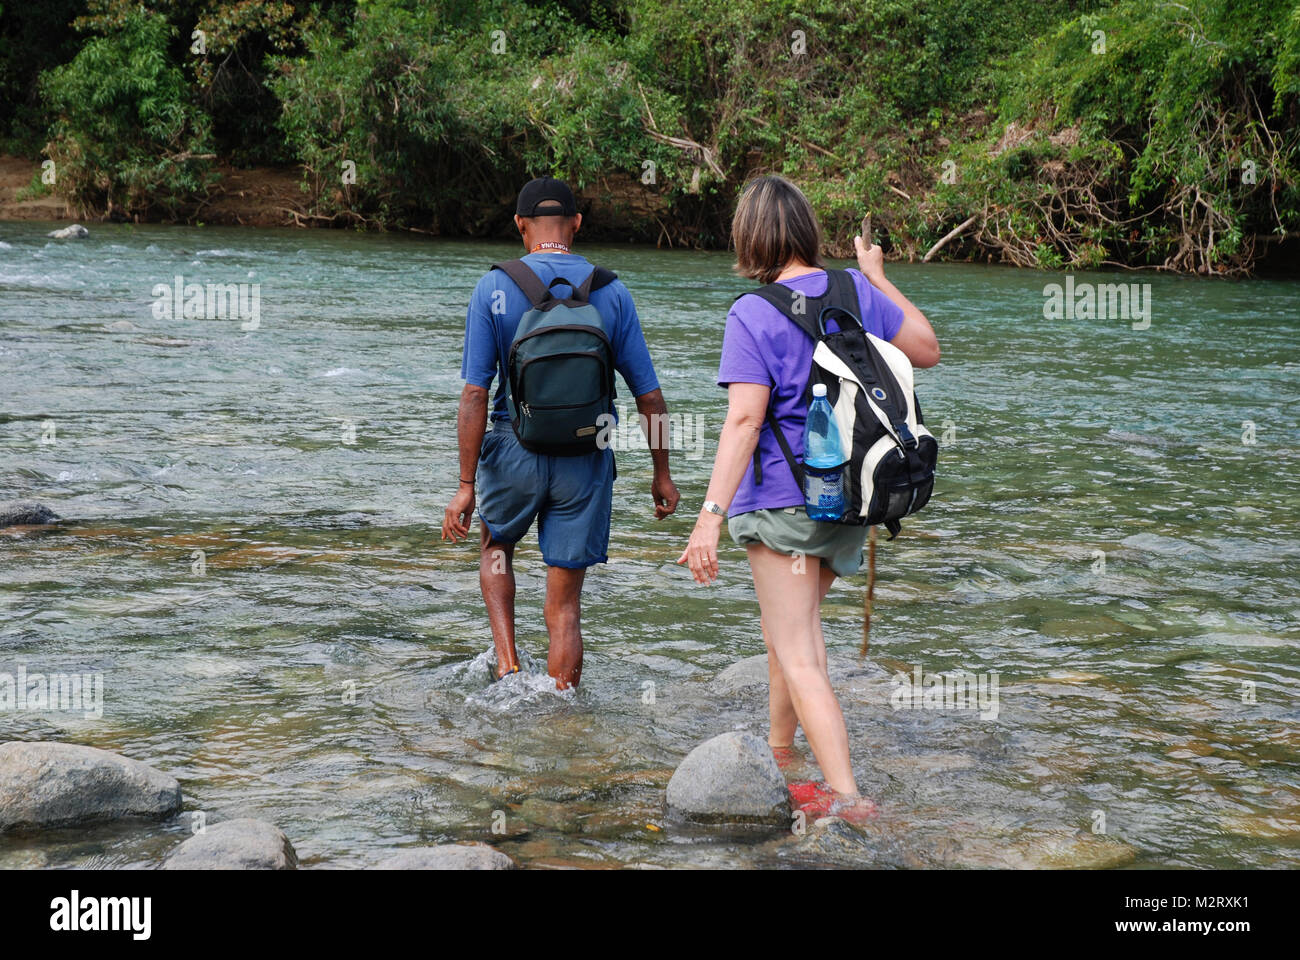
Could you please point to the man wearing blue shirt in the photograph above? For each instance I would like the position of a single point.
(569, 496)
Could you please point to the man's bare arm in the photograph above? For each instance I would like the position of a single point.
(471, 423)
(654, 423)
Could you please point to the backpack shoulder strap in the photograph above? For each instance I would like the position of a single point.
(842, 292)
(779, 296)
(795, 466)
(527, 281)
(599, 277)
(841, 297)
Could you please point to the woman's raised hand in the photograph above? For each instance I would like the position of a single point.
(871, 260)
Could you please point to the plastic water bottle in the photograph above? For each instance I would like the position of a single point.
(823, 460)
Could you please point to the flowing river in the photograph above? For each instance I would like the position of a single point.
(250, 557)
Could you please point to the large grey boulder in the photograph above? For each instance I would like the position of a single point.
(62, 784)
(449, 856)
(243, 844)
(74, 232)
(15, 512)
(732, 778)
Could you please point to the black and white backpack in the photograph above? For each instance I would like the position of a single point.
(892, 456)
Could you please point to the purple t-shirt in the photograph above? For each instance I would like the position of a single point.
(762, 346)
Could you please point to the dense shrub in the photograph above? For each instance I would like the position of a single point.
(1175, 146)
(125, 137)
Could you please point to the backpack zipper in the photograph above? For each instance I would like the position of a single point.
(527, 409)
(573, 327)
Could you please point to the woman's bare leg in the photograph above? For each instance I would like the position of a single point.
(790, 604)
(784, 723)
(827, 578)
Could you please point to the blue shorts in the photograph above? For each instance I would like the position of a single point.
(570, 497)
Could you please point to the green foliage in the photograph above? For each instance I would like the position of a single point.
(1286, 70)
(1185, 119)
(35, 189)
(445, 109)
(126, 137)
(223, 47)
(1175, 145)
(232, 82)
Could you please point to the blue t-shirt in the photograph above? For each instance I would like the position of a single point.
(489, 333)
(761, 345)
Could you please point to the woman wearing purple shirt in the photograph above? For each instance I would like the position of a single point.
(766, 360)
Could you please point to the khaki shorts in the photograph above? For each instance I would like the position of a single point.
(789, 531)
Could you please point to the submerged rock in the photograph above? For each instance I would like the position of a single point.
(1081, 851)
(836, 840)
(1268, 827)
(24, 858)
(74, 232)
(46, 784)
(732, 778)
(25, 512)
(243, 844)
(449, 856)
(1060, 849)
(850, 675)
(742, 675)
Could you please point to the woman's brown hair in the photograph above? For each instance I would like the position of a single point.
(774, 224)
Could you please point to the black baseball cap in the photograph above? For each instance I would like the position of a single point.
(546, 190)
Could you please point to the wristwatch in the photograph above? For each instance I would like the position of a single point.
(711, 507)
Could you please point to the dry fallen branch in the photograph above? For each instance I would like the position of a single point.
(952, 234)
(683, 143)
(691, 146)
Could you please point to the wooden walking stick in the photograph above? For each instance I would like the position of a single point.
(871, 590)
(869, 596)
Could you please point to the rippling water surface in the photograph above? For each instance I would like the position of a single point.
(1102, 538)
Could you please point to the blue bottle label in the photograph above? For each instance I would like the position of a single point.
(824, 492)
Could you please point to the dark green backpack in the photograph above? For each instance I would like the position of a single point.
(560, 370)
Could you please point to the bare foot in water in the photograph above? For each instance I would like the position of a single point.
(854, 808)
(818, 800)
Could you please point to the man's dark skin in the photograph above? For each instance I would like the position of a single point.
(496, 560)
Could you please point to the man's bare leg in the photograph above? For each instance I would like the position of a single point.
(496, 578)
(563, 623)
